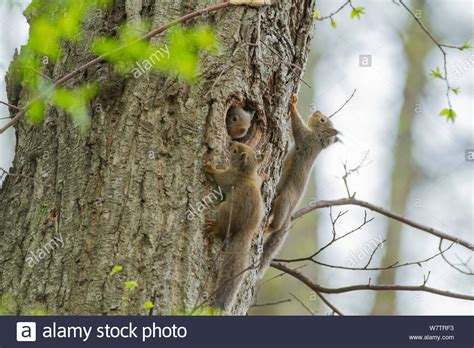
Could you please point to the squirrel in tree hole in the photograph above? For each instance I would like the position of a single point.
(238, 121)
(238, 219)
(309, 141)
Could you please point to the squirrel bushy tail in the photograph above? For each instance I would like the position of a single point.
(236, 262)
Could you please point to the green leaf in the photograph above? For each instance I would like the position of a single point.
(125, 298)
(116, 269)
(316, 13)
(467, 45)
(449, 113)
(148, 305)
(456, 90)
(35, 112)
(44, 39)
(204, 38)
(333, 24)
(436, 73)
(130, 285)
(356, 12)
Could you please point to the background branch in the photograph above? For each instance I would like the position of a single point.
(353, 201)
(318, 288)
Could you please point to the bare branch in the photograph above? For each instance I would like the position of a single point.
(441, 47)
(334, 13)
(348, 172)
(303, 305)
(353, 201)
(329, 304)
(342, 107)
(318, 288)
(271, 303)
(10, 105)
(373, 253)
(441, 252)
(392, 266)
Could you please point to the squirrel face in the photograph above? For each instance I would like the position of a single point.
(243, 156)
(238, 122)
(324, 129)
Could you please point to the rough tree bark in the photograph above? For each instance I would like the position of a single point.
(119, 193)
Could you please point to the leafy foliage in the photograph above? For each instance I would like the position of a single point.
(180, 55)
(466, 46)
(130, 285)
(56, 22)
(449, 113)
(148, 305)
(115, 270)
(436, 73)
(356, 12)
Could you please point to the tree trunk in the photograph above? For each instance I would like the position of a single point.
(404, 171)
(124, 192)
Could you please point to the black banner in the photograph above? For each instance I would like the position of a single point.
(400, 331)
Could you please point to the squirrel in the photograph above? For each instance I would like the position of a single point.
(309, 141)
(238, 121)
(238, 219)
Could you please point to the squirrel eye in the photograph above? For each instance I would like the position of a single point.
(322, 120)
(235, 151)
(235, 119)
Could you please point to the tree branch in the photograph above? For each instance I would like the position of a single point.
(318, 288)
(392, 266)
(152, 33)
(10, 105)
(441, 48)
(345, 103)
(353, 201)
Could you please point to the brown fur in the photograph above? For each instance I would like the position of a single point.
(309, 141)
(238, 219)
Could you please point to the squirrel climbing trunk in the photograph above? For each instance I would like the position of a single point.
(236, 262)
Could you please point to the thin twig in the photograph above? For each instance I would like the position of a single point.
(342, 107)
(271, 303)
(441, 252)
(329, 304)
(392, 266)
(441, 47)
(335, 12)
(361, 287)
(370, 206)
(10, 105)
(302, 304)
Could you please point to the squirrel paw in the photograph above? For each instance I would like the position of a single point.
(210, 226)
(208, 168)
(267, 229)
(293, 100)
